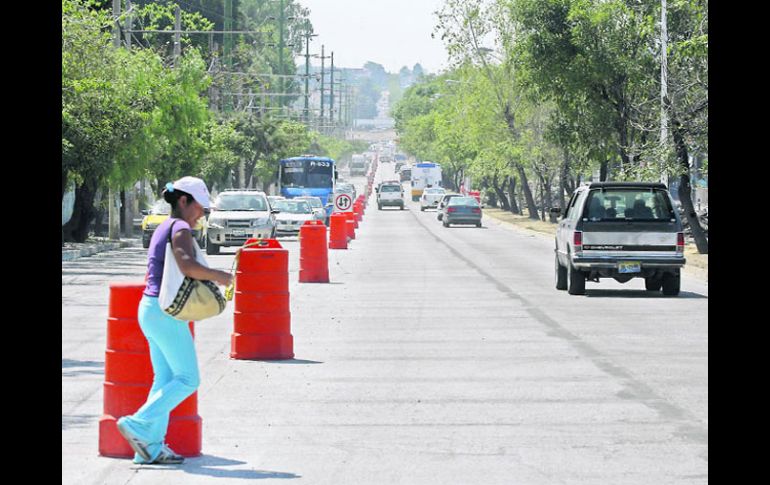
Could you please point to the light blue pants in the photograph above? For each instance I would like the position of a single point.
(175, 364)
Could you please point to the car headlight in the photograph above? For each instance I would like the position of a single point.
(216, 223)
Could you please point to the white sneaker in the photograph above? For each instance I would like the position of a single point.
(137, 444)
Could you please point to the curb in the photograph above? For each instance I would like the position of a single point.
(72, 254)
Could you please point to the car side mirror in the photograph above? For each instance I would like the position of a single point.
(275, 211)
(145, 212)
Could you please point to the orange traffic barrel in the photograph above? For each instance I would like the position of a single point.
(128, 378)
(313, 253)
(338, 232)
(262, 320)
(357, 214)
(350, 224)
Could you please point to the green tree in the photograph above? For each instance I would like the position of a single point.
(464, 26)
(123, 114)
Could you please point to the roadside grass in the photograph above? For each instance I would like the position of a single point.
(694, 259)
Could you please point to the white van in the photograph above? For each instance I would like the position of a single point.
(425, 175)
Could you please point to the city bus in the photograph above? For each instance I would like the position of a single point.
(308, 175)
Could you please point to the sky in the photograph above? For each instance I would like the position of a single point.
(393, 33)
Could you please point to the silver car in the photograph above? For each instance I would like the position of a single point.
(431, 197)
(292, 214)
(346, 188)
(236, 216)
(316, 204)
(620, 230)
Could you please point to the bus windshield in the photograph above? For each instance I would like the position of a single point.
(316, 174)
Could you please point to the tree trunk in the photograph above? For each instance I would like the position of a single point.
(603, 170)
(122, 213)
(512, 185)
(685, 189)
(500, 194)
(563, 182)
(76, 230)
(531, 205)
(548, 200)
(458, 178)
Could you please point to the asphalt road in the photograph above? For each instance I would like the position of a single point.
(434, 356)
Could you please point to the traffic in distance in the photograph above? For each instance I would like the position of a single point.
(618, 230)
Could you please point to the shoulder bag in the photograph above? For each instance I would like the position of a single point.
(185, 298)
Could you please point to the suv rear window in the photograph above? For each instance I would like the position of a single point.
(624, 204)
(390, 188)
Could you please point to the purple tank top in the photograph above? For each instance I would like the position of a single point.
(156, 254)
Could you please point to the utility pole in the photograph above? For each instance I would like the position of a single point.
(132, 201)
(227, 38)
(307, 77)
(663, 90)
(280, 51)
(331, 96)
(177, 35)
(322, 83)
(113, 214)
(323, 88)
(129, 24)
(308, 36)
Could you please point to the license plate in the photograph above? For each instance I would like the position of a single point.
(239, 233)
(629, 267)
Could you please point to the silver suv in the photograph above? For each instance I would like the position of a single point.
(620, 230)
(238, 215)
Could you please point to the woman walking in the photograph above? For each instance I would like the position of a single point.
(172, 350)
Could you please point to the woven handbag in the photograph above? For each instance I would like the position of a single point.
(186, 298)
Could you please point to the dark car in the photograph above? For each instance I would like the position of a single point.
(620, 230)
(442, 204)
(462, 210)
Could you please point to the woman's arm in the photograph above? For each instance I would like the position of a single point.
(185, 257)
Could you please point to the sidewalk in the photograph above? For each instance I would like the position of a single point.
(93, 245)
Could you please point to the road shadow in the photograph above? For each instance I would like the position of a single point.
(208, 465)
(290, 361)
(79, 421)
(80, 363)
(641, 294)
(71, 368)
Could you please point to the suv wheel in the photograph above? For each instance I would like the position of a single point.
(211, 248)
(576, 281)
(671, 283)
(653, 284)
(272, 234)
(379, 207)
(561, 275)
(401, 207)
(422, 208)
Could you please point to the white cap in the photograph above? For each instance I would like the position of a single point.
(195, 187)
